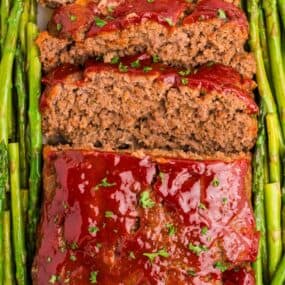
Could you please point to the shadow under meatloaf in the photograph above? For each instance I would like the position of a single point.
(136, 103)
(214, 31)
(143, 218)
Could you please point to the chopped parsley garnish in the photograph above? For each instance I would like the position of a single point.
(109, 214)
(184, 72)
(224, 200)
(161, 175)
(123, 68)
(162, 252)
(147, 69)
(104, 183)
(219, 265)
(72, 257)
(204, 231)
(53, 279)
(132, 255)
(93, 277)
(58, 27)
(145, 200)
(115, 60)
(184, 81)
(136, 63)
(93, 229)
(150, 1)
(191, 272)
(155, 58)
(74, 245)
(100, 22)
(169, 21)
(110, 9)
(202, 206)
(197, 249)
(72, 18)
(216, 182)
(222, 14)
(171, 229)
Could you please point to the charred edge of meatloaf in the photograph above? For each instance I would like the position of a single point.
(187, 45)
(119, 111)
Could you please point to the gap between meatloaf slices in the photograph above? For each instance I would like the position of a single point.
(143, 218)
(137, 102)
(213, 31)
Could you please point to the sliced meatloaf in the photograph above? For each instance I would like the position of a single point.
(136, 103)
(214, 31)
(118, 218)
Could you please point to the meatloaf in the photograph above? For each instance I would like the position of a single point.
(139, 103)
(214, 31)
(121, 218)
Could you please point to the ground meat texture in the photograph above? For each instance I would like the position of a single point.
(214, 31)
(121, 218)
(151, 106)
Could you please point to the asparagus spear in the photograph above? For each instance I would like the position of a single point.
(273, 209)
(5, 9)
(33, 11)
(5, 79)
(281, 8)
(25, 204)
(23, 26)
(34, 74)
(279, 276)
(274, 44)
(17, 217)
(22, 118)
(8, 275)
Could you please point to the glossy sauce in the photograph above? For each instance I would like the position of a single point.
(208, 78)
(95, 221)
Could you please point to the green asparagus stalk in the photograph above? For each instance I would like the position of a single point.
(5, 79)
(279, 276)
(25, 203)
(8, 275)
(17, 217)
(34, 74)
(273, 213)
(22, 116)
(274, 44)
(33, 11)
(281, 9)
(23, 26)
(5, 10)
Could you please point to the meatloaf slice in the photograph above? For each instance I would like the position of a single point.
(214, 31)
(121, 218)
(135, 103)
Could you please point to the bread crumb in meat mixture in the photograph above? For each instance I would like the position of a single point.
(214, 31)
(136, 103)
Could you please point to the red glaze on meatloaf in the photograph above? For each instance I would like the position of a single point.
(111, 218)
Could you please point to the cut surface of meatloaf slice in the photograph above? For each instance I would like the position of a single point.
(135, 103)
(213, 31)
(119, 218)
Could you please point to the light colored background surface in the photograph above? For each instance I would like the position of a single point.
(43, 16)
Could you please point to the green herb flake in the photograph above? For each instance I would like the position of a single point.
(74, 245)
(53, 279)
(147, 69)
(184, 72)
(132, 255)
(115, 60)
(184, 81)
(219, 265)
(136, 63)
(221, 14)
(146, 201)
(171, 229)
(104, 183)
(161, 175)
(216, 182)
(93, 277)
(123, 68)
(72, 18)
(204, 231)
(58, 27)
(169, 22)
(150, 1)
(191, 272)
(197, 249)
(224, 200)
(110, 9)
(72, 257)
(93, 229)
(162, 252)
(100, 22)
(202, 206)
(155, 58)
(109, 214)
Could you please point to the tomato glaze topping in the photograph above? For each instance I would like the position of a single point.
(112, 218)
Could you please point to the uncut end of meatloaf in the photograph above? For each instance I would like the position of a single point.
(182, 40)
(144, 219)
(150, 106)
